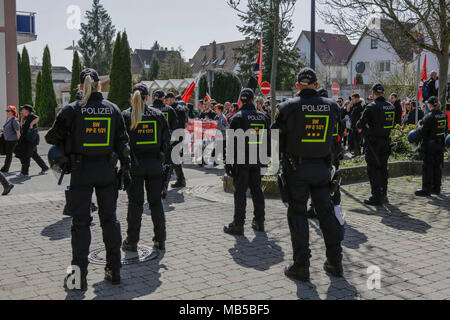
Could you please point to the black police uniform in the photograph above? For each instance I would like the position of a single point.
(148, 142)
(432, 150)
(182, 116)
(92, 134)
(356, 139)
(337, 154)
(377, 122)
(249, 175)
(306, 125)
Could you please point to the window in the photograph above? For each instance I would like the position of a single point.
(374, 44)
(214, 62)
(222, 47)
(323, 39)
(222, 63)
(192, 65)
(206, 63)
(331, 52)
(384, 66)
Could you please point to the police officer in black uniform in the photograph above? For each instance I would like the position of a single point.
(376, 124)
(182, 117)
(306, 125)
(172, 120)
(434, 127)
(94, 137)
(150, 143)
(248, 174)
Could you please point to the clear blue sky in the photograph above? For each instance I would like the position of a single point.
(186, 23)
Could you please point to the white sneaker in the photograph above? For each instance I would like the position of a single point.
(209, 166)
(21, 175)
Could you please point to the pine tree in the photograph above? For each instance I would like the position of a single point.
(19, 73)
(25, 72)
(174, 67)
(154, 68)
(114, 75)
(125, 74)
(96, 43)
(76, 70)
(47, 101)
(156, 46)
(38, 91)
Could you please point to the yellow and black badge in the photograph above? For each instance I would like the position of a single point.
(316, 128)
(96, 132)
(258, 130)
(389, 120)
(441, 126)
(147, 133)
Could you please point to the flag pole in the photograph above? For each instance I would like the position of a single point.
(418, 84)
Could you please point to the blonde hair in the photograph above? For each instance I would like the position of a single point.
(89, 86)
(137, 101)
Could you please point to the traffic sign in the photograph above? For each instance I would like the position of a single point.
(266, 88)
(335, 89)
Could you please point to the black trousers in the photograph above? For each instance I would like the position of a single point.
(355, 142)
(335, 153)
(26, 161)
(95, 173)
(9, 150)
(3, 181)
(312, 178)
(149, 175)
(378, 150)
(248, 176)
(433, 156)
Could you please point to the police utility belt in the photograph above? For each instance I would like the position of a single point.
(77, 160)
(292, 161)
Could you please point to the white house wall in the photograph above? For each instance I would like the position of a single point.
(304, 46)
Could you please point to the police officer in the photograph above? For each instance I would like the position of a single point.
(248, 174)
(149, 142)
(94, 137)
(306, 126)
(376, 124)
(172, 120)
(182, 117)
(434, 127)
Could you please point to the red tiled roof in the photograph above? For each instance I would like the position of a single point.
(332, 49)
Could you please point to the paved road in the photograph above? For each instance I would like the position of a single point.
(407, 240)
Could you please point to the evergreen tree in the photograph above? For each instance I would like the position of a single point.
(125, 74)
(174, 67)
(156, 46)
(38, 91)
(96, 43)
(227, 86)
(154, 68)
(114, 75)
(19, 74)
(25, 72)
(76, 70)
(47, 101)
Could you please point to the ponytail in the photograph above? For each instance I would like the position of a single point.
(137, 101)
(89, 86)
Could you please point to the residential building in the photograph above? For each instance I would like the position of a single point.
(331, 55)
(61, 78)
(217, 56)
(142, 58)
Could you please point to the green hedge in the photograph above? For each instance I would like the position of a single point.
(227, 87)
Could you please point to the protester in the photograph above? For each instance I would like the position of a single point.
(395, 101)
(355, 115)
(411, 117)
(233, 110)
(29, 140)
(431, 87)
(11, 134)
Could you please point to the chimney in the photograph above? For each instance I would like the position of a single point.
(214, 51)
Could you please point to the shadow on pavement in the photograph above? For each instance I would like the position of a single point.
(174, 196)
(59, 230)
(306, 290)
(260, 254)
(341, 289)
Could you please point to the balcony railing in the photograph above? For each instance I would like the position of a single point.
(25, 22)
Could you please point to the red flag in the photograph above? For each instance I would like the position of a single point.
(420, 94)
(259, 62)
(207, 98)
(424, 76)
(188, 94)
(355, 81)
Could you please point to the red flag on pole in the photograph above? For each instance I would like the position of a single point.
(424, 75)
(420, 94)
(260, 60)
(188, 94)
(207, 98)
(355, 82)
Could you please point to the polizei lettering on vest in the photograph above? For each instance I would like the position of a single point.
(96, 111)
(316, 108)
(388, 107)
(255, 118)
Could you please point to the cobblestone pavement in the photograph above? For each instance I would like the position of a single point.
(407, 240)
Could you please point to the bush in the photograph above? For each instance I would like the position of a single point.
(227, 86)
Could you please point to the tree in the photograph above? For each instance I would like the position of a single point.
(273, 19)
(154, 68)
(227, 86)
(47, 101)
(174, 67)
(76, 70)
(96, 41)
(114, 75)
(427, 17)
(19, 72)
(127, 78)
(38, 91)
(156, 46)
(27, 94)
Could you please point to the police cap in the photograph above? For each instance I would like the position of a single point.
(142, 88)
(434, 101)
(247, 95)
(170, 95)
(159, 94)
(89, 72)
(307, 76)
(378, 88)
(178, 98)
(323, 93)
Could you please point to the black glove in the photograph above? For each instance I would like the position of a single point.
(229, 170)
(124, 179)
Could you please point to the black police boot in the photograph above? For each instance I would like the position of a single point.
(373, 202)
(258, 226)
(179, 184)
(7, 190)
(83, 283)
(335, 269)
(436, 191)
(297, 272)
(234, 229)
(160, 245)
(311, 214)
(112, 275)
(128, 246)
(422, 193)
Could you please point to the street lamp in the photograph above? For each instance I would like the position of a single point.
(73, 47)
(313, 35)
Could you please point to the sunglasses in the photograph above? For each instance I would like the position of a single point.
(9, 111)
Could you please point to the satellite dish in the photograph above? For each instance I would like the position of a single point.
(360, 67)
